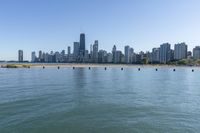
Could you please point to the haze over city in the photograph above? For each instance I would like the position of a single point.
(53, 25)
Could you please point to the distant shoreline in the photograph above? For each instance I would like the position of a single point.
(84, 65)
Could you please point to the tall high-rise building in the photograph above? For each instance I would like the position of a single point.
(50, 58)
(155, 55)
(91, 49)
(102, 58)
(196, 52)
(114, 49)
(131, 51)
(33, 57)
(95, 51)
(165, 53)
(57, 57)
(86, 57)
(76, 50)
(82, 47)
(127, 54)
(46, 57)
(62, 56)
(63, 53)
(20, 55)
(147, 57)
(180, 51)
(82, 43)
(68, 50)
(118, 56)
(40, 56)
(109, 58)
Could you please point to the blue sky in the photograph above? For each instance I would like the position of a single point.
(33, 25)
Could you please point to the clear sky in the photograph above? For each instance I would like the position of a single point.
(33, 25)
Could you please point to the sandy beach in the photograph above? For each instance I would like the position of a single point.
(87, 65)
(79, 65)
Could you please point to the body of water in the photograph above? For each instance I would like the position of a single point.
(49, 100)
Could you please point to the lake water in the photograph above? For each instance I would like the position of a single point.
(49, 100)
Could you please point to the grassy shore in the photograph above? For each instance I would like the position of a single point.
(15, 66)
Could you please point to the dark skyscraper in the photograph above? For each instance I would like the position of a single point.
(82, 43)
(20, 55)
(114, 53)
(68, 50)
(82, 47)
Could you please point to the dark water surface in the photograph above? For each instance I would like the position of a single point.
(98, 101)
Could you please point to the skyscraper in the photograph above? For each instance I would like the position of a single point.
(109, 58)
(63, 53)
(114, 53)
(196, 52)
(68, 50)
(46, 57)
(118, 56)
(40, 56)
(180, 51)
(82, 47)
(76, 50)
(127, 54)
(82, 43)
(102, 56)
(86, 57)
(155, 56)
(91, 49)
(165, 53)
(57, 57)
(33, 57)
(63, 57)
(95, 51)
(20, 55)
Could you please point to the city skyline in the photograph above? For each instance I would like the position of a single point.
(163, 54)
(83, 47)
(53, 25)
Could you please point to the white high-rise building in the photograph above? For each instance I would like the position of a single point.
(180, 51)
(196, 52)
(165, 53)
(118, 56)
(127, 54)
